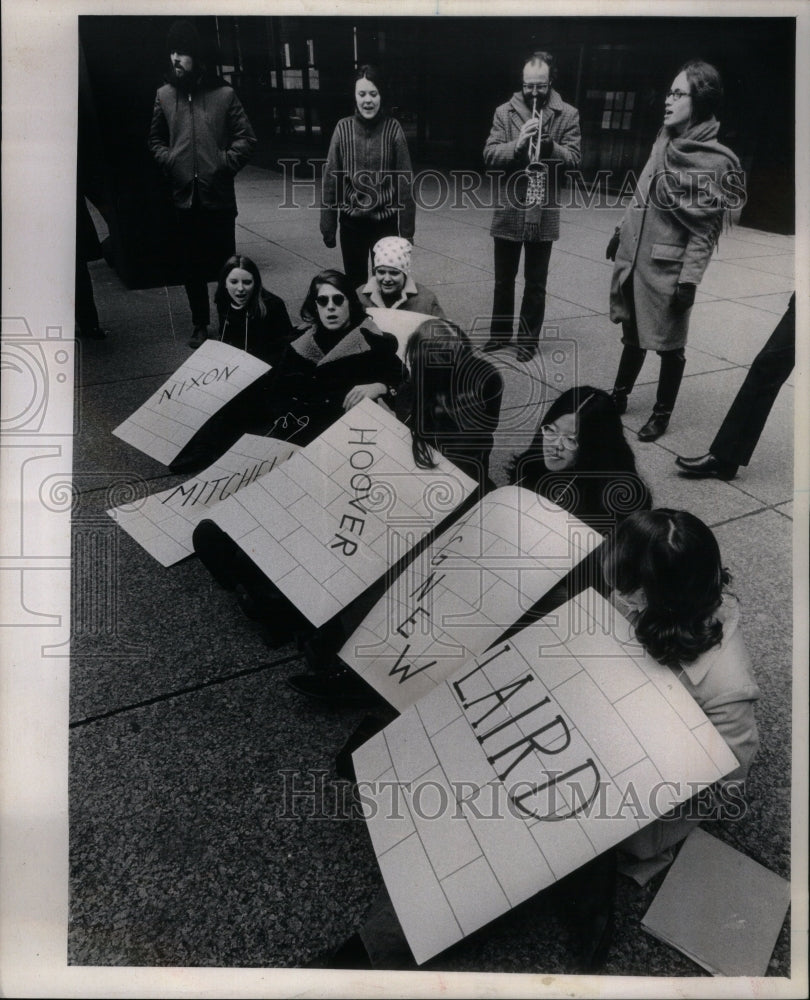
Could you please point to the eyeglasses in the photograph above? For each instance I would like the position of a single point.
(323, 300)
(676, 95)
(542, 87)
(568, 441)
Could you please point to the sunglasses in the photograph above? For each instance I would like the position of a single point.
(323, 300)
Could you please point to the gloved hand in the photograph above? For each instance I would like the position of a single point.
(330, 241)
(613, 245)
(684, 297)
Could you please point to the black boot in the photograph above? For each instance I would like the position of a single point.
(669, 383)
(630, 365)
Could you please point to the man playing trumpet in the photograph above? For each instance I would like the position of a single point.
(532, 136)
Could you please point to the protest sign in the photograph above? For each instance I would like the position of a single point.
(473, 582)
(528, 762)
(330, 521)
(164, 523)
(210, 378)
(399, 323)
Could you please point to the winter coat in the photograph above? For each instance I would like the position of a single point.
(415, 298)
(265, 337)
(509, 221)
(368, 174)
(307, 387)
(656, 252)
(722, 682)
(202, 134)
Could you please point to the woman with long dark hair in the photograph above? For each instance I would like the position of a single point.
(666, 569)
(367, 179)
(451, 401)
(666, 238)
(579, 458)
(341, 358)
(251, 317)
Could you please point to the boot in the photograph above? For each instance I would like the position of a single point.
(630, 365)
(669, 383)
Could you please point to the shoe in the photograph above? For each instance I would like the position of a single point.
(706, 467)
(619, 397)
(494, 345)
(654, 427)
(526, 352)
(351, 954)
(198, 337)
(335, 687)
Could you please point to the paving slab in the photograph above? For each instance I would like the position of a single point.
(701, 406)
(592, 346)
(758, 551)
(579, 280)
(115, 660)
(178, 853)
(709, 499)
(783, 264)
(729, 280)
(776, 303)
(729, 330)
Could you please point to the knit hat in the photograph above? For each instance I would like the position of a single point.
(393, 251)
(184, 38)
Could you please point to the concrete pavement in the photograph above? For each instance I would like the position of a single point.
(181, 724)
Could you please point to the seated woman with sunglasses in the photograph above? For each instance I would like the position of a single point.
(451, 402)
(340, 359)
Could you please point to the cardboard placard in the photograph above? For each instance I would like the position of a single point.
(529, 762)
(399, 323)
(473, 582)
(210, 378)
(164, 522)
(720, 908)
(331, 520)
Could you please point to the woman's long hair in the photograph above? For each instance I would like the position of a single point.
(602, 487)
(674, 559)
(447, 380)
(338, 280)
(254, 307)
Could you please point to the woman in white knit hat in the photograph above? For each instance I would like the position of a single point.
(391, 285)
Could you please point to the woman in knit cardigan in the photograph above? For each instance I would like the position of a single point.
(367, 180)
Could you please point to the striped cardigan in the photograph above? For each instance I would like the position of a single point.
(510, 221)
(368, 174)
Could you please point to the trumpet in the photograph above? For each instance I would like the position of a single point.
(536, 171)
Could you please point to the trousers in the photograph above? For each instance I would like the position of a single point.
(742, 426)
(357, 237)
(536, 258)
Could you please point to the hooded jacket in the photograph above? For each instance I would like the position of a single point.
(201, 135)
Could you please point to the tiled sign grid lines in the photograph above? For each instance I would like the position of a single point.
(164, 525)
(658, 684)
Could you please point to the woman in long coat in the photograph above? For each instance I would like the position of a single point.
(665, 240)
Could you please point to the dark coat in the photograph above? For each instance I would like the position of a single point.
(307, 387)
(265, 337)
(509, 221)
(202, 133)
